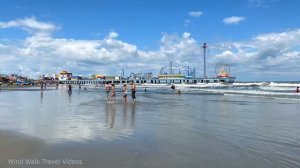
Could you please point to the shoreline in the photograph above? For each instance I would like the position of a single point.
(26, 88)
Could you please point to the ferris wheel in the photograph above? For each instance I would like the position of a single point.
(222, 69)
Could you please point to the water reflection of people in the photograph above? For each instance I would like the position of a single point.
(110, 112)
(42, 95)
(115, 120)
(133, 115)
(125, 107)
(113, 113)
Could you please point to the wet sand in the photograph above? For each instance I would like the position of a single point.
(162, 129)
(18, 146)
(145, 153)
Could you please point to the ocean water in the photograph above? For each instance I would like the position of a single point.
(241, 125)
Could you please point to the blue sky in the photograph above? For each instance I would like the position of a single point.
(258, 38)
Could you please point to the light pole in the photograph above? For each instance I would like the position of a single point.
(204, 61)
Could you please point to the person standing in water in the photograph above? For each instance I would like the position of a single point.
(70, 89)
(125, 93)
(297, 89)
(133, 90)
(107, 90)
(42, 86)
(172, 86)
(113, 94)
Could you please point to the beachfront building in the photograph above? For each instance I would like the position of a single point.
(3, 79)
(76, 78)
(13, 77)
(171, 76)
(148, 75)
(98, 77)
(64, 75)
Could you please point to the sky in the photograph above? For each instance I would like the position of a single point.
(259, 39)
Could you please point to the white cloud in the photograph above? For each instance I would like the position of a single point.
(29, 24)
(233, 20)
(42, 54)
(113, 35)
(195, 13)
(264, 54)
(261, 3)
(187, 22)
(226, 54)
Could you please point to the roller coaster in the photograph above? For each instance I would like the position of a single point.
(186, 70)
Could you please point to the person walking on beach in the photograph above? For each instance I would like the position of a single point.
(113, 94)
(133, 90)
(125, 93)
(107, 90)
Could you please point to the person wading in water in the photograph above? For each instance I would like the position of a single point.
(107, 89)
(125, 93)
(133, 90)
(113, 94)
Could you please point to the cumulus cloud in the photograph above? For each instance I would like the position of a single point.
(113, 35)
(271, 54)
(41, 53)
(233, 20)
(195, 13)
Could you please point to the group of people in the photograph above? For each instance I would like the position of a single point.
(111, 93)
